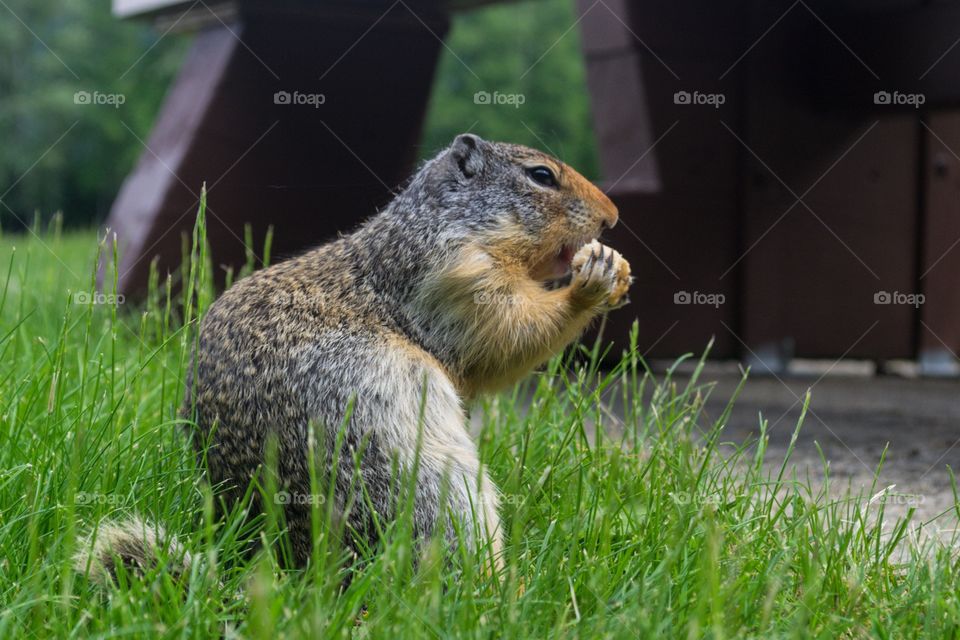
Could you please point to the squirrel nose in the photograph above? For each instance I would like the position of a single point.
(608, 211)
(609, 218)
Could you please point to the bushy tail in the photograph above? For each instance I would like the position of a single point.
(136, 544)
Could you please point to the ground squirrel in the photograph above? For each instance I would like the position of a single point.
(482, 268)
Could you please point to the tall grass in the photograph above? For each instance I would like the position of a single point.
(635, 522)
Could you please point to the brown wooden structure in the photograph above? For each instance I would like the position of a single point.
(294, 114)
(749, 147)
(822, 185)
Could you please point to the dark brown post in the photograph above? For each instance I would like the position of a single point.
(304, 120)
(939, 330)
(669, 165)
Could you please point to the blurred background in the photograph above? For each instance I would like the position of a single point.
(81, 174)
(786, 171)
(41, 169)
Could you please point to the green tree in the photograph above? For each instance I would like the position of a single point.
(528, 53)
(58, 151)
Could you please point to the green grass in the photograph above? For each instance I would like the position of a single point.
(661, 530)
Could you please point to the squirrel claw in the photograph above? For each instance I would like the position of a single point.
(624, 301)
(601, 276)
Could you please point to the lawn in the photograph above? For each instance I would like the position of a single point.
(642, 522)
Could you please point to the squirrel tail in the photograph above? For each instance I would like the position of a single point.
(136, 544)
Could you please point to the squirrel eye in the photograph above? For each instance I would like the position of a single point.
(544, 176)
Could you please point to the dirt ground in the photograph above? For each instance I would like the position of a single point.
(853, 417)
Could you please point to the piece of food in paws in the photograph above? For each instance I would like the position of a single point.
(603, 271)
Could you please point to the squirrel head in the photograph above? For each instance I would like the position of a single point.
(524, 206)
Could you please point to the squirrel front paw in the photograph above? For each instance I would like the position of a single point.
(601, 276)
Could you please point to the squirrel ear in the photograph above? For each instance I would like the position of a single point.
(467, 153)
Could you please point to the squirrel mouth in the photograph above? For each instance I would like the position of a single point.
(557, 267)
